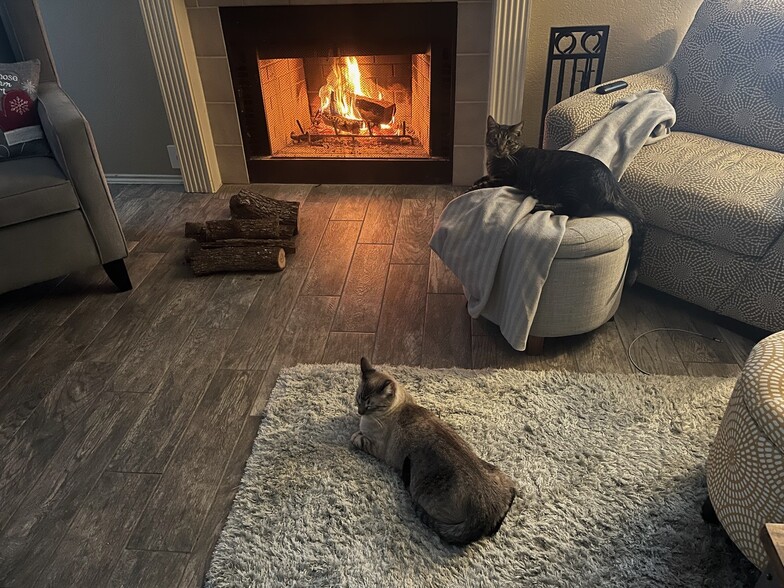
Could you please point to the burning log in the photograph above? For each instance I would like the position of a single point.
(236, 259)
(217, 230)
(252, 205)
(341, 123)
(287, 245)
(375, 112)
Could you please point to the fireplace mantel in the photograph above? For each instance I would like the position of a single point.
(189, 54)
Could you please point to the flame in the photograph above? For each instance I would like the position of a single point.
(344, 83)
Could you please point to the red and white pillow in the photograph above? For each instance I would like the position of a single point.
(21, 134)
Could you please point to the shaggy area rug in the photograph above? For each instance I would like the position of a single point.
(609, 471)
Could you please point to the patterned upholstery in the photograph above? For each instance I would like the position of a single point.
(746, 461)
(720, 193)
(730, 73)
(715, 208)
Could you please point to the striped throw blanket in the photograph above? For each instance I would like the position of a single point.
(495, 247)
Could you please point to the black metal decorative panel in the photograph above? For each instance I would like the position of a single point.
(575, 61)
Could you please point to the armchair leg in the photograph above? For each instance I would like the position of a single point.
(118, 274)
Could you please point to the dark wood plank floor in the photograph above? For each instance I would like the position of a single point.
(125, 419)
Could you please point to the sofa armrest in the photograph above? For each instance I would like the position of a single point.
(569, 119)
(72, 144)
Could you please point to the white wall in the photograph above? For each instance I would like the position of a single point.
(102, 57)
(643, 35)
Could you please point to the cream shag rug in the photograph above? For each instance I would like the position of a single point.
(609, 470)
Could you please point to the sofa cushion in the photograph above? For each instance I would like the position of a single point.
(714, 191)
(730, 70)
(31, 188)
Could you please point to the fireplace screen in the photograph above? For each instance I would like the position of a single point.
(327, 93)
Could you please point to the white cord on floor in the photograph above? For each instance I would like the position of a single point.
(629, 350)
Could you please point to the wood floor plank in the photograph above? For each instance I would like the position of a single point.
(168, 227)
(302, 341)
(94, 542)
(691, 347)
(447, 334)
(147, 569)
(348, 347)
(381, 217)
(152, 440)
(231, 300)
(360, 305)
(202, 551)
(353, 203)
(399, 334)
(313, 220)
(654, 352)
(257, 338)
(179, 505)
(149, 209)
(414, 230)
(603, 351)
(31, 535)
(329, 193)
(33, 446)
(739, 346)
(484, 353)
(145, 364)
(329, 268)
(441, 279)
(719, 370)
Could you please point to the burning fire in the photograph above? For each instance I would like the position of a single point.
(344, 83)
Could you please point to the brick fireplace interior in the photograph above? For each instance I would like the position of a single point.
(339, 93)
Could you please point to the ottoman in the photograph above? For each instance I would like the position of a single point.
(583, 289)
(746, 461)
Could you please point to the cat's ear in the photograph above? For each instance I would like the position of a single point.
(389, 387)
(518, 128)
(365, 366)
(491, 124)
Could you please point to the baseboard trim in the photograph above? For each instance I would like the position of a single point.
(143, 179)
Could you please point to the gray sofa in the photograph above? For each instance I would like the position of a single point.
(56, 213)
(713, 192)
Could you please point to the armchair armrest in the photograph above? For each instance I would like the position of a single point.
(569, 119)
(72, 144)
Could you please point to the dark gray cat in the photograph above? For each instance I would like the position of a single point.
(457, 494)
(565, 182)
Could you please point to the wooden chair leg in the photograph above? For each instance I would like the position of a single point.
(118, 274)
(534, 345)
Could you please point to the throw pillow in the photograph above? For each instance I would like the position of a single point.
(21, 134)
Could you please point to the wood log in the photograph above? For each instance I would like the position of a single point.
(236, 259)
(287, 245)
(217, 230)
(375, 112)
(341, 123)
(248, 204)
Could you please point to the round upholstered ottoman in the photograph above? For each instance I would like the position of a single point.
(583, 289)
(746, 461)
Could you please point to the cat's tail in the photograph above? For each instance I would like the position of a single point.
(626, 207)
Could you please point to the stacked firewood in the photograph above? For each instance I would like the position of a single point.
(257, 237)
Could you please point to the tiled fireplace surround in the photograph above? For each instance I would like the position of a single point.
(219, 130)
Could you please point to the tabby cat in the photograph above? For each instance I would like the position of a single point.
(460, 496)
(565, 182)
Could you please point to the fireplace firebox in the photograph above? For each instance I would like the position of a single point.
(360, 93)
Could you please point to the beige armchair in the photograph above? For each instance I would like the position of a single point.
(56, 212)
(713, 192)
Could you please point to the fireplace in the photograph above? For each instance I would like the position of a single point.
(344, 93)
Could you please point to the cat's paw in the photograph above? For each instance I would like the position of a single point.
(356, 439)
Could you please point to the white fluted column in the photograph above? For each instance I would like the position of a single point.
(507, 68)
(174, 57)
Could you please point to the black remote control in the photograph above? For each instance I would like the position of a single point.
(611, 87)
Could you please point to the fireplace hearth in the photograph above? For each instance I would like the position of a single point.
(345, 93)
